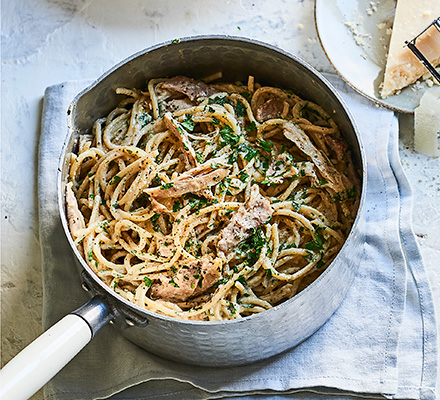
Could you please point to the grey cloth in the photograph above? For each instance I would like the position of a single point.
(380, 343)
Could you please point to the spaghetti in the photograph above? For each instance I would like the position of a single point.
(211, 201)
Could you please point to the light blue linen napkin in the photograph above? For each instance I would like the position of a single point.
(380, 343)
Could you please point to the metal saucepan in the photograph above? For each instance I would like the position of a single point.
(195, 342)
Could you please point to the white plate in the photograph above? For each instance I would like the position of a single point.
(353, 34)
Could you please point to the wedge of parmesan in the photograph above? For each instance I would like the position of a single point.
(403, 67)
(427, 123)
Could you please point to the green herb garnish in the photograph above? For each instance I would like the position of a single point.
(251, 127)
(167, 185)
(115, 180)
(176, 206)
(240, 109)
(148, 282)
(226, 137)
(188, 123)
(155, 217)
(315, 244)
(266, 145)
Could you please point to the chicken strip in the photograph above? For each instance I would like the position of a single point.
(256, 212)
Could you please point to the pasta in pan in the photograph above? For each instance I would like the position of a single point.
(211, 201)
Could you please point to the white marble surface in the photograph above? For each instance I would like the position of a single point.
(45, 42)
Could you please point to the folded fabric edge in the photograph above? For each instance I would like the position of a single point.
(430, 372)
(47, 163)
(184, 390)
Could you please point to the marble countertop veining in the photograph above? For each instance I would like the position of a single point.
(45, 42)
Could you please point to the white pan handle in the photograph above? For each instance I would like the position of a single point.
(29, 370)
(34, 366)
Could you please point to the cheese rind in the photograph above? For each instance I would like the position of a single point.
(403, 67)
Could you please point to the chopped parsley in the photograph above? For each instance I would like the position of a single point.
(315, 244)
(199, 157)
(155, 217)
(167, 185)
(243, 176)
(231, 308)
(188, 123)
(196, 202)
(226, 137)
(115, 180)
(221, 281)
(265, 145)
(251, 127)
(188, 244)
(218, 100)
(226, 129)
(253, 245)
(171, 282)
(242, 280)
(147, 281)
(176, 206)
(249, 152)
(240, 109)
(320, 262)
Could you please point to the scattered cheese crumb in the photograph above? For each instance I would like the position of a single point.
(372, 9)
(358, 36)
(417, 86)
(381, 25)
(389, 31)
(300, 26)
(352, 26)
(429, 80)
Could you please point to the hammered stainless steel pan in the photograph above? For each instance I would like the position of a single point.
(197, 342)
